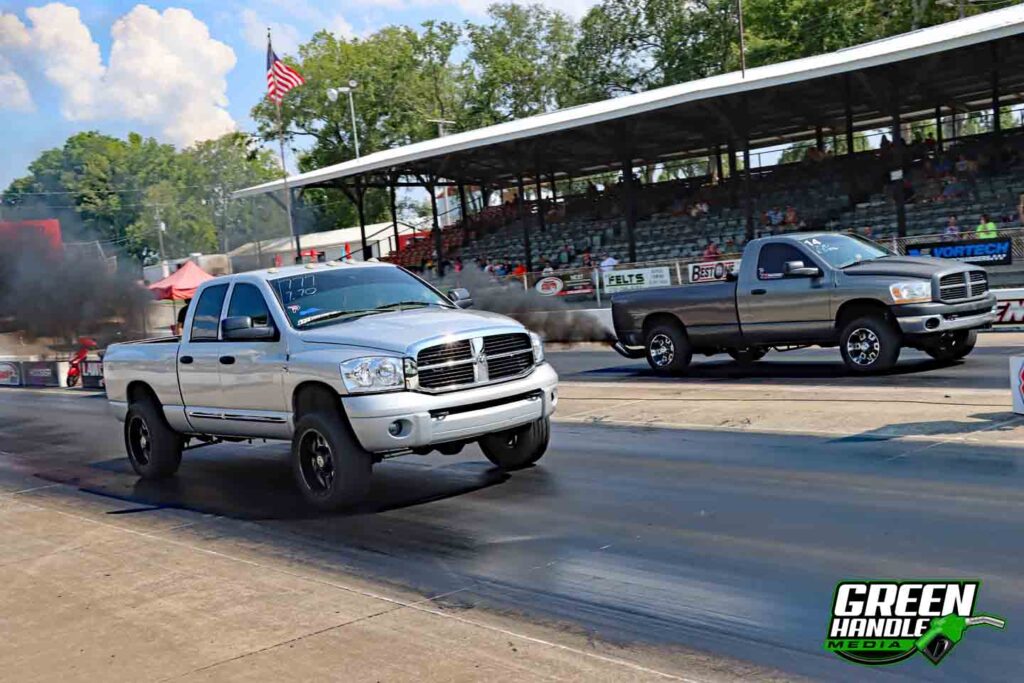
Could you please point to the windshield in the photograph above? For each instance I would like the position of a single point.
(841, 251)
(326, 297)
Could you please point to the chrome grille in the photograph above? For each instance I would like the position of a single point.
(445, 353)
(979, 282)
(953, 287)
(469, 362)
(504, 343)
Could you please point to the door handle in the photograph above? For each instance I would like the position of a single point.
(758, 292)
(227, 360)
(186, 360)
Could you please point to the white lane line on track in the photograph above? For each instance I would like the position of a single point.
(415, 604)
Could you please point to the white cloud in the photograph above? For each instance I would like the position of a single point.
(254, 30)
(16, 96)
(340, 27)
(69, 57)
(164, 69)
(13, 37)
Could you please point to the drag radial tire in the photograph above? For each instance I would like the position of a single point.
(668, 349)
(950, 346)
(331, 469)
(154, 449)
(869, 344)
(517, 448)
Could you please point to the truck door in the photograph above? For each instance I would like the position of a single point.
(199, 362)
(251, 371)
(780, 308)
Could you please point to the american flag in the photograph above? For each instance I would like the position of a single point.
(280, 77)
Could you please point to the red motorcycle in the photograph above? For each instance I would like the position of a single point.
(85, 345)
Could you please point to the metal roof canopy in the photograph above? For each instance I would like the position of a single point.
(956, 65)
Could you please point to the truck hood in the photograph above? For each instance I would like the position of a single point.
(397, 330)
(904, 266)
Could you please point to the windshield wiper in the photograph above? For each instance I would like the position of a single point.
(402, 304)
(332, 315)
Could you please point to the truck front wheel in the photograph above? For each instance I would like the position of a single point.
(668, 349)
(331, 469)
(517, 448)
(869, 344)
(951, 346)
(154, 449)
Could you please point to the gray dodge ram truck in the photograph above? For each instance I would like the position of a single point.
(811, 289)
(352, 363)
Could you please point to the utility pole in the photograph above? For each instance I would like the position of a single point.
(743, 44)
(161, 228)
(441, 132)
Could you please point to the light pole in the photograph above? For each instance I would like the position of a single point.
(441, 132)
(332, 95)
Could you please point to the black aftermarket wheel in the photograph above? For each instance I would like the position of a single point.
(154, 449)
(668, 349)
(331, 469)
(951, 346)
(869, 344)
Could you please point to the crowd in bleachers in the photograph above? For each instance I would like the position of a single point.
(965, 188)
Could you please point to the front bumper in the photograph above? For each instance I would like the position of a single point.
(936, 318)
(430, 419)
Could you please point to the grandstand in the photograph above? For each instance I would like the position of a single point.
(935, 78)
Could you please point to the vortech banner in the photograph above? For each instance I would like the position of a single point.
(991, 252)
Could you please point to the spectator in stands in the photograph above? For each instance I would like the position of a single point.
(711, 252)
(986, 228)
(520, 270)
(608, 262)
(548, 268)
(587, 260)
(791, 218)
(775, 216)
(952, 231)
(457, 267)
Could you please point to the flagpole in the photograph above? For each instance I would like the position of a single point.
(284, 171)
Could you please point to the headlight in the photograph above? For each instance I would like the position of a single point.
(373, 373)
(911, 292)
(538, 348)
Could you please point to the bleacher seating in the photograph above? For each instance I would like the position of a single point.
(820, 192)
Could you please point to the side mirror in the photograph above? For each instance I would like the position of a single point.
(798, 269)
(460, 297)
(241, 328)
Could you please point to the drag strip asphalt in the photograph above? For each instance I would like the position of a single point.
(723, 542)
(985, 368)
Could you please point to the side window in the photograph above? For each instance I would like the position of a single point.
(206, 321)
(248, 300)
(772, 260)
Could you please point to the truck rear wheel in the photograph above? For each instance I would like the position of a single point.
(154, 449)
(668, 349)
(951, 346)
(869, 344)
(331, 469)
(517, 448)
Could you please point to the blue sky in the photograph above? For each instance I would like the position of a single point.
(120, 66)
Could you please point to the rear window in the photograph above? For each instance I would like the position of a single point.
(206, 321)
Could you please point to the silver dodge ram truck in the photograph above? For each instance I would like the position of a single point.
(350, 362)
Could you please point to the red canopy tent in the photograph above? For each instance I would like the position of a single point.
(181, 284)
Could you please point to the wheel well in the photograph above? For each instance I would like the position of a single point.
(314, 396)
(140, 391)
(662, 319)
(855, 308)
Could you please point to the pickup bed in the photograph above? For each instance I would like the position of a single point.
(804, 289)
(352, 363)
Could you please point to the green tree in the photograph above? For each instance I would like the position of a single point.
(516, 63)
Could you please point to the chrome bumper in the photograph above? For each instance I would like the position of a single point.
(428, 419)
(918, 324)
